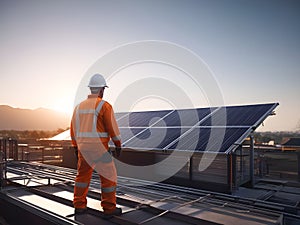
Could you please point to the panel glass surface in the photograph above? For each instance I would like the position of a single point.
(168, 129)
(127, 133)
(142, 119)
(155, 137)
(221, 139)
(247, 115)
(119, 115)
(185, 117)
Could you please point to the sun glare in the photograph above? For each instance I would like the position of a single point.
(64, 109)
(63, 106)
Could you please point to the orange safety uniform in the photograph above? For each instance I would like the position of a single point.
(93, 125)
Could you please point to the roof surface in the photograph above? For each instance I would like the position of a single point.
(47, 191)
(292, 142)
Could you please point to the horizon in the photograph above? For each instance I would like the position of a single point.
(251, 49)
(70, 115)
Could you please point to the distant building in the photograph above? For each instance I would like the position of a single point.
(292, 144)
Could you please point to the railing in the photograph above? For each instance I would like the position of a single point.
(268, 163)
(274, 164)
(40, 153)
(12, 150)
(3, 159)
(2, 170)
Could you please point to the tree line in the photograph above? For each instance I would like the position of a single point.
(260, 137)
(278, 137)
(29, 134)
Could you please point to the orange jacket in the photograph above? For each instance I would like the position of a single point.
(94, 118)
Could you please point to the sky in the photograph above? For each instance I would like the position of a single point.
(251, 48)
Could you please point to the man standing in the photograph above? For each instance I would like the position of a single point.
(93, 125)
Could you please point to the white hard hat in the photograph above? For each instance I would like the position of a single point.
(97, 80)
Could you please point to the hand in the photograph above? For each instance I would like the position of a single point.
(118, 151)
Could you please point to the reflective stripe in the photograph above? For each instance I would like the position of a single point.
(116, 138)
(86, 111)
(96, 113)
(108, 189)
(99, 107)
(81, 184)
(93, 134)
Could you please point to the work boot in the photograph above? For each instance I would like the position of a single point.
(80, 210)
(116, 212)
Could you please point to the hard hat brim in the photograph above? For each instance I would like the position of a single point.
(97, 86)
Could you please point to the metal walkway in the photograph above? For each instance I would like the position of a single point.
(43, 194)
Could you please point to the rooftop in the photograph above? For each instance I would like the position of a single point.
(44, 193)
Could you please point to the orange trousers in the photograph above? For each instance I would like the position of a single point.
(82, 181)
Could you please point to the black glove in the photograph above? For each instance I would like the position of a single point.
(118, 151)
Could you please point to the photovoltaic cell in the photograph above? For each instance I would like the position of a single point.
(155, 137)
(127, 133)
(209, 139)
(142, 119)
(185, 117)
(119, 115)
(247, 115)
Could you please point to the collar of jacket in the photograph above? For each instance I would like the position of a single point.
(93, 96)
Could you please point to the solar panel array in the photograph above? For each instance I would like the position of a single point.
(217, 129)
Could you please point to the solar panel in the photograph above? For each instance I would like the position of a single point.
(217, 129)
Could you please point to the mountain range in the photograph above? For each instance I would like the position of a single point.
(32, 119)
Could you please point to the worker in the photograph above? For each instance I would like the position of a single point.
(93, 125)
